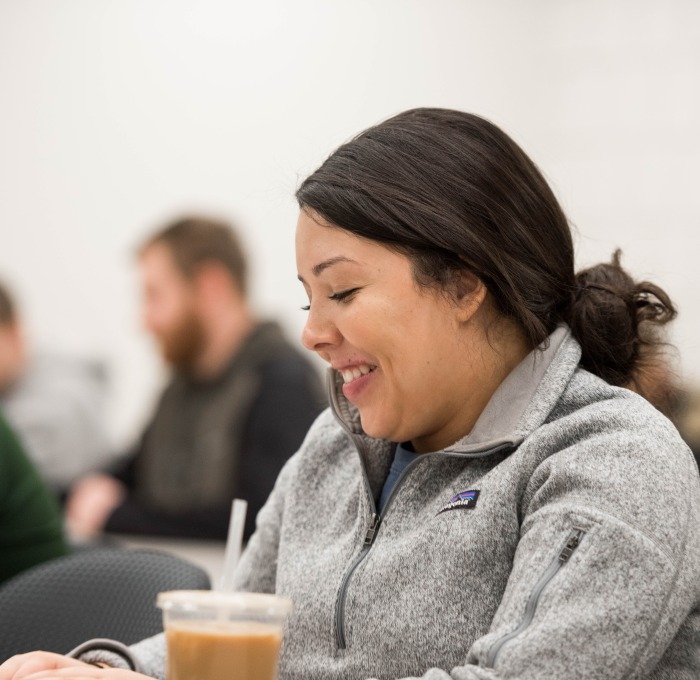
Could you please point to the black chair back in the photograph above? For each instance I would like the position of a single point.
(105, 592)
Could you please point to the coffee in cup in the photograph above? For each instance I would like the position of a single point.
(214, 635)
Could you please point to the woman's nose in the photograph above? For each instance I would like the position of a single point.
(319, 333)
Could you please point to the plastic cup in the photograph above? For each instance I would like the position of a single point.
(214, 635)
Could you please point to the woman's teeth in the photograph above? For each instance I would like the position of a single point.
(350, 374)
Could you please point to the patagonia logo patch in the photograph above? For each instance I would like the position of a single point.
(466, 500)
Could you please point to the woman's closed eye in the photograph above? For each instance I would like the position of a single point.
(344, 295)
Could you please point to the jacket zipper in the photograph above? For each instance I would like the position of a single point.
(370, 535)
(573, 540)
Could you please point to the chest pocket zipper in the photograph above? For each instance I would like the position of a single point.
(573, 540)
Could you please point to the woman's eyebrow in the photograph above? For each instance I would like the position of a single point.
(329, 263)
(321, 266)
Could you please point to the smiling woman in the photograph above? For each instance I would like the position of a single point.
(475, 504)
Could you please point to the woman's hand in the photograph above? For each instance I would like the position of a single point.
(24, 665)
(48, 666)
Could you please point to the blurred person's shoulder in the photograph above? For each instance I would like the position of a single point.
(687, 417)
(49, 372)
(283, 363)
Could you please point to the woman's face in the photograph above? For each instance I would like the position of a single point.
(403, 351)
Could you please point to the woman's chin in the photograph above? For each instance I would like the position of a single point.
(375, 428)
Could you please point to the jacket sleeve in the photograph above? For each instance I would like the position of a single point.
(30, 520)
(605, 576)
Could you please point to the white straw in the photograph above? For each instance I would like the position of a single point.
(234, 542)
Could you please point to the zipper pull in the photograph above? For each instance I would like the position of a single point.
(372, 530)
(571, 545)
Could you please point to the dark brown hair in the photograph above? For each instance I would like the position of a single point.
(629, 349)
(8, 312)
(194, 241)
(452, 191)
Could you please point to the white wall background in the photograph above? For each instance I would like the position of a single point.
(118, 114)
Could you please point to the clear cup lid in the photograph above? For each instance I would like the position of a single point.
(257, 604)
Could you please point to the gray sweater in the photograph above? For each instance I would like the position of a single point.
(559, 539)
(57, 407)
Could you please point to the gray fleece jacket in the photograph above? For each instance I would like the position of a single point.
(559, 539)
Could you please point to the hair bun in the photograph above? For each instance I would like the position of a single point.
(617, 322)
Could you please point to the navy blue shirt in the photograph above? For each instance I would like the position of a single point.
(403, 457)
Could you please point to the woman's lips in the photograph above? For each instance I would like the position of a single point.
(356, 378)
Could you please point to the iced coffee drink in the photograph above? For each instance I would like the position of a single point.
(223, 636)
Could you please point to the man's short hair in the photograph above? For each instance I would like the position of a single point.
(194, 241)
(8, 313)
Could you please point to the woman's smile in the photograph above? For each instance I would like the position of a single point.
(356, 379)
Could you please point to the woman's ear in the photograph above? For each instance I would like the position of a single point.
(469, 294)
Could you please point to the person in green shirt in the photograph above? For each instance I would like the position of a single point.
(30, 521)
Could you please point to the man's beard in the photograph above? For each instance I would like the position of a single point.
(182, 346)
